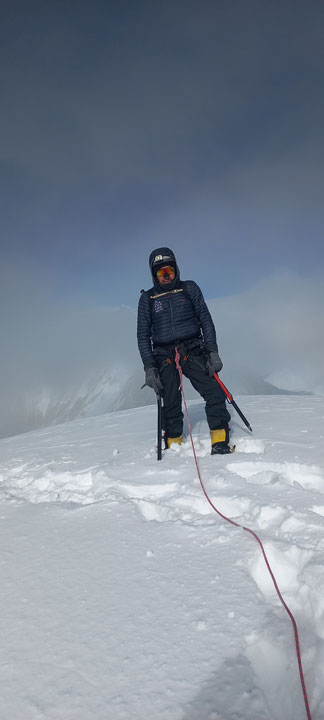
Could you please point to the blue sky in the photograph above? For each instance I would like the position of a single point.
(126, 126)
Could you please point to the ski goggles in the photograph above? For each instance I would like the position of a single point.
(166, 271)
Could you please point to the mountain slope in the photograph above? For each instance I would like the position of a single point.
(125, 596)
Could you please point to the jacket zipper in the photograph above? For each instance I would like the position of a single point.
(171, 315)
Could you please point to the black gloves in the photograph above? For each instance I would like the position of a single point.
(153, 380)
(214, 363)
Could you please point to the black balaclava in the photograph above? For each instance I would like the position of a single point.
(158, 258)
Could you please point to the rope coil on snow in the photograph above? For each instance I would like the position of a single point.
(256, 537)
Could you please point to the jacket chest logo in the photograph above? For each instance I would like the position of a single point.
(158, 306)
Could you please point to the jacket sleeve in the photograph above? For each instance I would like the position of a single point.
(144, 331)
(203, 315)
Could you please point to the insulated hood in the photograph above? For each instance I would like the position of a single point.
(159, 257)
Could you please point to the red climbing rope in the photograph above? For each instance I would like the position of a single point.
(256, 537)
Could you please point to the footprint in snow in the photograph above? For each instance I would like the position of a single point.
(271, 663)
(308, 477)
(287, 565)
(249, 445)
(148, 492)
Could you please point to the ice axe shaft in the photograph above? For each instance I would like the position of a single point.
(159, 427)
(232, 401)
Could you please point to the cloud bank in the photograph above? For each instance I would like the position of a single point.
(59, 362)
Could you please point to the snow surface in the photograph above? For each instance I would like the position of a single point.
(123, 594)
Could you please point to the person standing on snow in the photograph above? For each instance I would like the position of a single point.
(173, 313)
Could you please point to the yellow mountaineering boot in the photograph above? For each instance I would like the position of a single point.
(175, 441)
(219, 442)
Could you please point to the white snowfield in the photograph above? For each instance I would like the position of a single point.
(125, 596)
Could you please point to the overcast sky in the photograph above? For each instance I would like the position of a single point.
(126, 125)
(130, 124)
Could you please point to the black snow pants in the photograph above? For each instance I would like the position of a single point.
(193, 365)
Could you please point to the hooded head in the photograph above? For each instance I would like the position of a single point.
(164, 257)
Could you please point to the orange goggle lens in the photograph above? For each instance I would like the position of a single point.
(165, 271)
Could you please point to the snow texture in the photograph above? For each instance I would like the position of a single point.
(123, 594)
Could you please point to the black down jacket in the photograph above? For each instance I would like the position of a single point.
(166, 317)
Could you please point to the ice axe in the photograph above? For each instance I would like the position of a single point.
(232, 401)
(159, 424)
(159, 427)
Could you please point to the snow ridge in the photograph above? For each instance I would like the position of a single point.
(105, 468)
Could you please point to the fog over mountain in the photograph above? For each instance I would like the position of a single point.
(62, 361)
